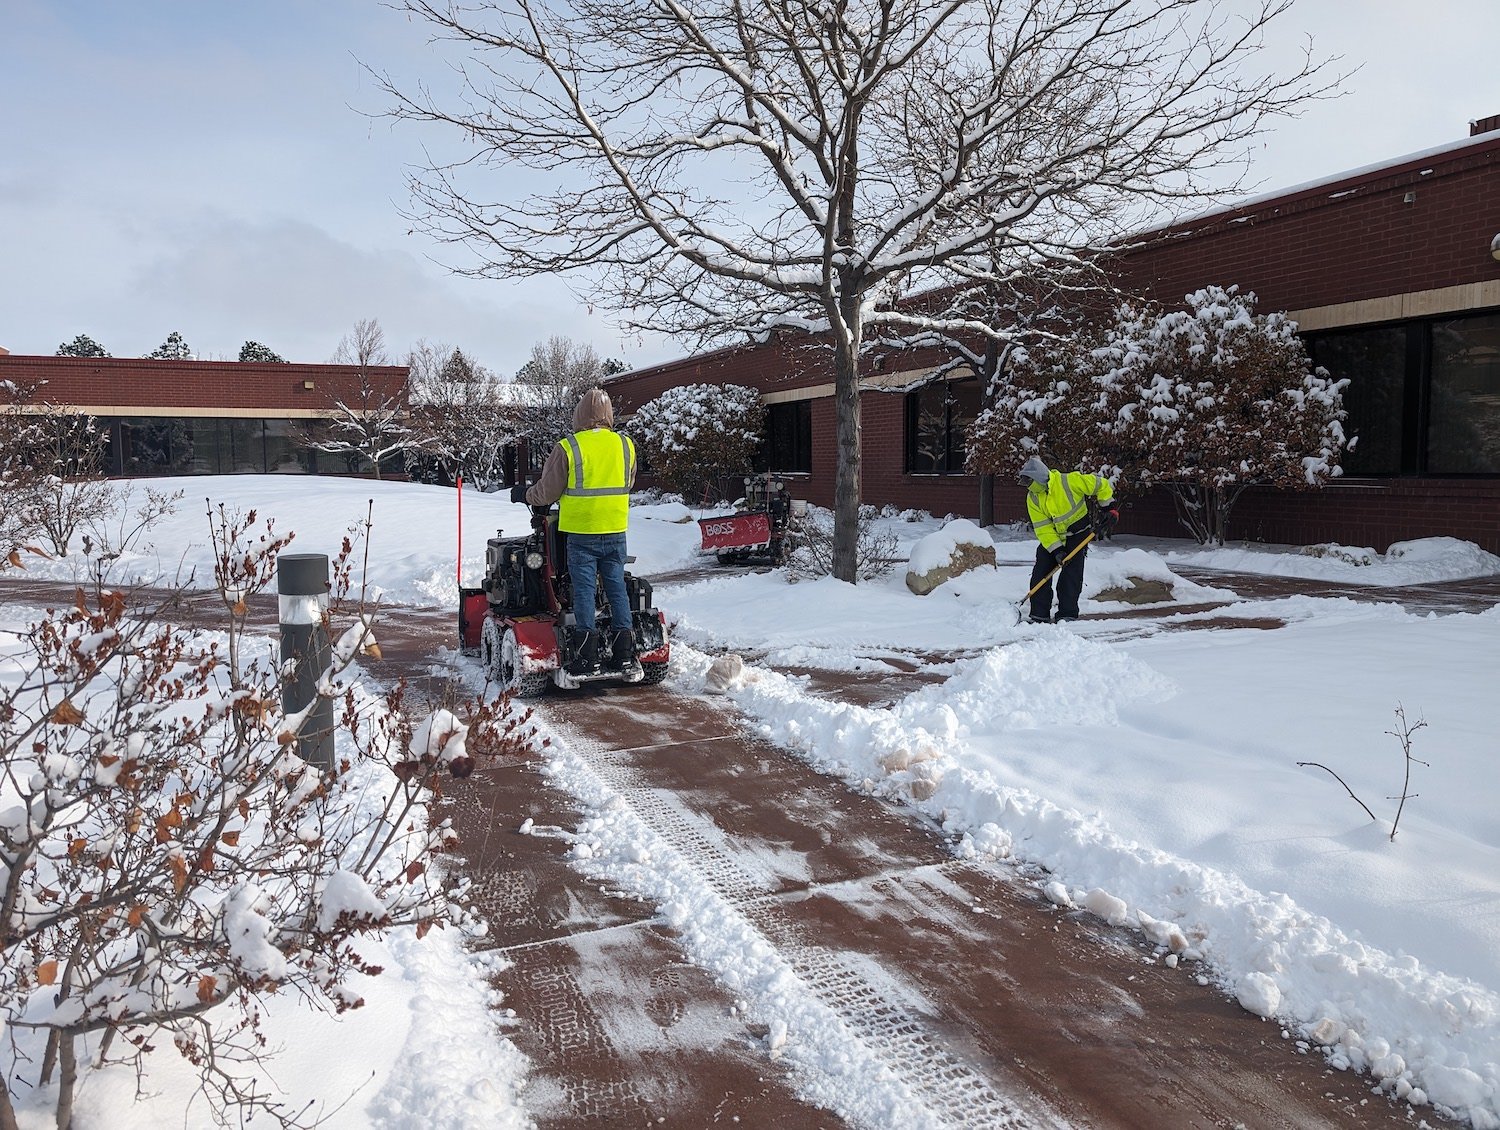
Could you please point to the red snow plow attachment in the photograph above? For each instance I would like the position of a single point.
(744, 532)
(765, 524)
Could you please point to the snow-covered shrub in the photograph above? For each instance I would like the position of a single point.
(693, 436)
(1205, 402)
(1348, 555)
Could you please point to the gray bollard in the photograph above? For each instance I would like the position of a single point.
(302, 588)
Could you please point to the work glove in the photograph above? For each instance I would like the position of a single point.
(1107, 518)
(1059, 554)
(518, 492)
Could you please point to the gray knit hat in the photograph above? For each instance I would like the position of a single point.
(1034, 471)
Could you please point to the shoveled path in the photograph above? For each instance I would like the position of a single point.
(982, 1004)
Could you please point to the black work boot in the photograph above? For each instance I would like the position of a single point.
(622, 651)
(585, 659)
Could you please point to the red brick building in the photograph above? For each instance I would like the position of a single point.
(1393, 274)
(205, 417)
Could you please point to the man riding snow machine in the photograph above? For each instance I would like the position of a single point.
(520, 621)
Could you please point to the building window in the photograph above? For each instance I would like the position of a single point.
(1374, 363)
(938, 416)
(1463, 436)
(788, 442)
(1423, 397)
(204, 445)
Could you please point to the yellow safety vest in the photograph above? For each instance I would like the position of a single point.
(596, 499)
(1056, 506)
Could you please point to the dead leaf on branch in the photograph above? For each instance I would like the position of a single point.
(65, 714)
(206, 986)
(46, 972)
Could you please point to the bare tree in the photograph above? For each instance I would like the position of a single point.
(559, 372)
(370, 423)
(51, 471)
(462, 415)
(739, 167)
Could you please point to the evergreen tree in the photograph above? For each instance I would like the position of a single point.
(255, 351)
(173, 349)
(82, 346)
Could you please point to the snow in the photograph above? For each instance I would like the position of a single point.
(1150, 775)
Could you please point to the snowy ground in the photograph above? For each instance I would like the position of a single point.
(1155, 776)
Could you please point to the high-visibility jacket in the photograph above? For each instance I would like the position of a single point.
(1061, 502)
(596, 499)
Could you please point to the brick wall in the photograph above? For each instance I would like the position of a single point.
(1371, 513)
(1343, 241)
(139, 386)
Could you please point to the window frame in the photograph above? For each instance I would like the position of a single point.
(951, 460)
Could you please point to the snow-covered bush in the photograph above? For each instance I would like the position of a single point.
(166, 856)
(693, 436)
(1205, 402)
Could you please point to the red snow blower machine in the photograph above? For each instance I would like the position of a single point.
(520, 621)
(763, 527)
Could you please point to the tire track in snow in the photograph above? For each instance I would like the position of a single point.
(855, 1030)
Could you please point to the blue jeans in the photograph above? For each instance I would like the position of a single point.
(598, 559)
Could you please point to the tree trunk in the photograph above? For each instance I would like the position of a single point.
(67, 1082)
(7, 1111)
(846, 479)
(1217, 503)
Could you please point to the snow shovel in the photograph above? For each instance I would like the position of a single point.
(1037, 587)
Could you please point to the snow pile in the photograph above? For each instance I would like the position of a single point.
(1424, 561)
(1016, 728)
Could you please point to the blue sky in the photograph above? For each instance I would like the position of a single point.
(215, 169)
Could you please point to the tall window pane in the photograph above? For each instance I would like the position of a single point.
(245, 447)
(963, 409)
(1463, 435)
(937, 417)
(1374, 362)
(925, 430)
(156, 446)
(788, 445)
(284, 454)
(205, 441)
